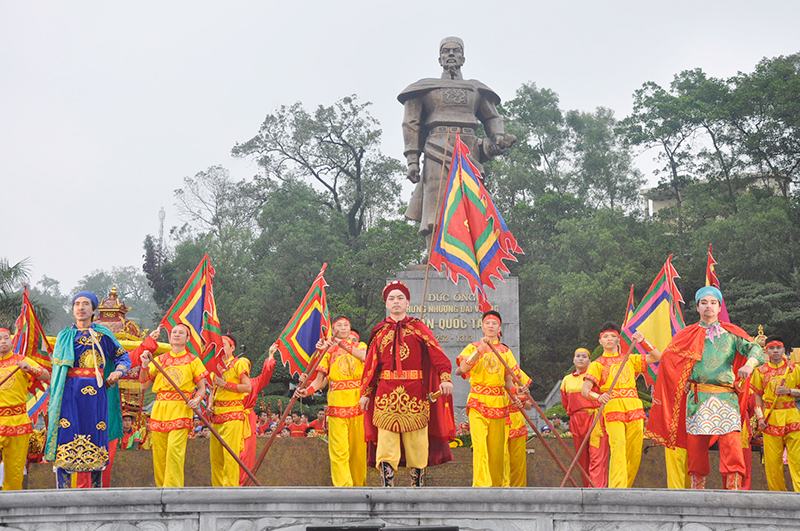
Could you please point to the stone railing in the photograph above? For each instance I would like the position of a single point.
(294, 509)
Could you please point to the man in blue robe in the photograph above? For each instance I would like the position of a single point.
(84, 410)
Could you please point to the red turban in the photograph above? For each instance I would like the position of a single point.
(395, 285)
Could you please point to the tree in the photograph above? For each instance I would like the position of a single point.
(766, 116)
(602, 160)
(538, 162)
(707, 105)
(336, 148)
(659, 121)
(12, 277)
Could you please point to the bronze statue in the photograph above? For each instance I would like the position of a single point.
(435, 110)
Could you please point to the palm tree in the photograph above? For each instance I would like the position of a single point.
(12, 277)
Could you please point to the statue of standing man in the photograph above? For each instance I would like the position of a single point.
(435, 110)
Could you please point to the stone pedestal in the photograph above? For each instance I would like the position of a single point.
(451, 311)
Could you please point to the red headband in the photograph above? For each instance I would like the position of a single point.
(6, 330)
(775, 343)
(607, 330)
(395, 285)
(492, 316)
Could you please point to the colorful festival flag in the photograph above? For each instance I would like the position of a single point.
(37, 403)
(29, 337)
(195, 307)
(298, 340)
(471, 238)
(713, 280)
(658, 316)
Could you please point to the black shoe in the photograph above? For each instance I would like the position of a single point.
(417, 477)
(387, 474)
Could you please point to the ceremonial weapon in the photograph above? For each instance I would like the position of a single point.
(315, 360)
(518, 383)
(597, 417)
(434, 396)
(207, 424)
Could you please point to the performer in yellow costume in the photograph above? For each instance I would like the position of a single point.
(488, 402)
(777, 388)
(171, 418)
(15, 425)
(228, 418)
(343, 363)
(623, 413)
(518, 435)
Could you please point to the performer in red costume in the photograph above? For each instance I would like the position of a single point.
(404, 365)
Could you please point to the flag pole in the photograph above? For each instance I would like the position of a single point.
(518, 383)
(315, 360)
(12, 373)
(207, 424)
(435, 225)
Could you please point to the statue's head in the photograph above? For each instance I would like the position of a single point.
(451, 53)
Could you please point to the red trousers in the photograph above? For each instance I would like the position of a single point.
(593, 459)
(747, 482)
(731, 458)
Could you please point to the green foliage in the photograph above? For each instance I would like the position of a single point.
(12, 276)
(557, 411)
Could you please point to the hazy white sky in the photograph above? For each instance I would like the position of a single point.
(106, 106)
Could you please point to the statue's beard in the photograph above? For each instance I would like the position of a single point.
(453, 70)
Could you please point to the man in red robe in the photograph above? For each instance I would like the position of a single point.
(404, 365)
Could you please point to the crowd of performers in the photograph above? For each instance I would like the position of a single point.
(390, 403)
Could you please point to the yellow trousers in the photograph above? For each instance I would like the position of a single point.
(415, 445)
(169, 456)
(347, 450)
(625, 445)
(224, 468)
(489, 449)
(773, 460)
(14, 450)
(518, 462)
(677, 468)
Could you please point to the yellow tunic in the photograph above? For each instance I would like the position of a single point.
(487, 394)
(15, 426)
(344, 373)
(347, 447)
(625, 404)
(229, 421)
(170, 412)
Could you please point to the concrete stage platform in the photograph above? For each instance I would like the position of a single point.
(296, 509)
